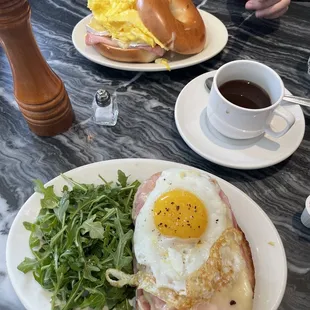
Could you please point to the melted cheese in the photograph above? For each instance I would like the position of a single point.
(240, 293)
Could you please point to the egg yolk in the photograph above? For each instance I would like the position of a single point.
(181, 214)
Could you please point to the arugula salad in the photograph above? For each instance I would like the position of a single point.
(77, 237)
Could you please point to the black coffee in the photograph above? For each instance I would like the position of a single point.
(245, 94)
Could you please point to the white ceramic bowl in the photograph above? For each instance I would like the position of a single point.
(266, 245)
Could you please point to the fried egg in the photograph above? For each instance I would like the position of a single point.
(175, 230)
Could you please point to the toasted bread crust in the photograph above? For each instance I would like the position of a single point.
(176, 23)
(247, 254)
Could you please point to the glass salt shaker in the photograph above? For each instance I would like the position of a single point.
(105, 108)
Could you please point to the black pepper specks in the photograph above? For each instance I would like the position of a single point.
(177, 208)
(217, 221)
(232, 303)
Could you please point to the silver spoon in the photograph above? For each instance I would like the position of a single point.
(293, 99)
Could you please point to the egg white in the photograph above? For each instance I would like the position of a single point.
(172, 260)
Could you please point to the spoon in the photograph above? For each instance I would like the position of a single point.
(293, 99)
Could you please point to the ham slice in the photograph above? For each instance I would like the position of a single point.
(93, 39)
(142, 194)
(146, 301)
(157, 50)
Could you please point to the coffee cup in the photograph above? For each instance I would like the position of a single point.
(235, 121)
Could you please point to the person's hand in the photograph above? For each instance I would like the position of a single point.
(268, 8)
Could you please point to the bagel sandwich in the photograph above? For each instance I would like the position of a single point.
(141, 31)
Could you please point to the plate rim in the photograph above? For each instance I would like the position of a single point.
(135, 67)
(227, 164)
(148, 161)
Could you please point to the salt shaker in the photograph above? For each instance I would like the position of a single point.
(105, 109)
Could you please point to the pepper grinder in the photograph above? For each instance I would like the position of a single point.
(39, 92)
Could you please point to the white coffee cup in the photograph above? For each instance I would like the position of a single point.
(241, 123)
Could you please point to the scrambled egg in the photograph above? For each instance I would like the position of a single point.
(164, 62)
(121, 19)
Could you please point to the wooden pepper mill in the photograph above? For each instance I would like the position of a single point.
(39, 92)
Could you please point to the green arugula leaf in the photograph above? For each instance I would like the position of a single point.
(95, 229)
(29, 226)
(28, 265)
(125, 305)
(87, 273)
(61, 210)
(95, 301)
(120, 248)
(122, 178)
(50, 200)
(39, 186)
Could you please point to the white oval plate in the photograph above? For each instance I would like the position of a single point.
(195, 129)
(269, 260)
(217, 38)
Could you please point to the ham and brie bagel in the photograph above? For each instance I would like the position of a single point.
(189, 250)
(143, 30)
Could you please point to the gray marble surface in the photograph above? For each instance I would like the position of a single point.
(146, 125)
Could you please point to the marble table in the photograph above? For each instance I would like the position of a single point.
(146, 125)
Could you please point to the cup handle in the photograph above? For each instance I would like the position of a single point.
(287, 116)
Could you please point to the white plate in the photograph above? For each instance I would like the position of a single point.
(269, 261)
(192, 123)
(217, 38)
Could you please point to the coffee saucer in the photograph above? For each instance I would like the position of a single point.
(260, 152)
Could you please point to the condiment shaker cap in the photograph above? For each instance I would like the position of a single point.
(103, 98)
(305, 216)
